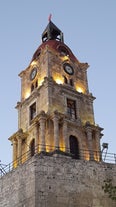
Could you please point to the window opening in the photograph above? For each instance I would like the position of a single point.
(63, 51)
(32, 147)
(36, 84)
(65, 80)
(32, 87)
(32, 111)
(74, 147)
(71, 82)
(71, 108)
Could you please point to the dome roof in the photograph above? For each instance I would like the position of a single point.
(53, 38)
(58, 46)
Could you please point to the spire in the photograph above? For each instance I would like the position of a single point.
(52, 32)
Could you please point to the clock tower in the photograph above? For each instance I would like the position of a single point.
(55, 113)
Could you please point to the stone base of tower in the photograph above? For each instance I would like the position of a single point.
(57, 181)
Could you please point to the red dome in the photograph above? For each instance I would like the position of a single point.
(56, 45)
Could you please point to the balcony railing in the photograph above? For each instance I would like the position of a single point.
(82, 155)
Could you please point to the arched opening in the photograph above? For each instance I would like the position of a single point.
(32, 111)
(32, 147)
(71, 82)
(65, 80)
(63, 51)
(71, 108)
(32, 87)
(74, 147)
(36, 84)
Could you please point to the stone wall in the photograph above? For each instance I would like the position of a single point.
(57, 181)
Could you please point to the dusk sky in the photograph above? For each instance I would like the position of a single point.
(89, 28)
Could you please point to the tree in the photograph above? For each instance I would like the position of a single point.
(109, 188)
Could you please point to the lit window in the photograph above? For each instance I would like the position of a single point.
(71, 108)
(32, 111)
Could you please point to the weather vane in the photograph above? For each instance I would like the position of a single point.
(50, 17)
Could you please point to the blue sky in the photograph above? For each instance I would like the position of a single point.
(89, 29)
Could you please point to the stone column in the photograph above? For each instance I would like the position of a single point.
(14, 153)
(98, 148)
(19, 149)
(42, 121)
(56, 130)
(78, 110)
(65, 136)
(90, 142)
(36, 138)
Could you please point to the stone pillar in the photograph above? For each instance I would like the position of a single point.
(98, 148)
(56, 130)
(36, 138)
(42, 121)
(78, 110)
(19, 149)
(90, 142)
(14, 153)
(65, 136)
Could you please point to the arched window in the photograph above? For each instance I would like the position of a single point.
(74, 147)
(32, 87)
(32, 111)
(36, 54)
(65, 80)
(36, 84)
(63, 50)
(71, 108)
(71, 82)
(32, 147)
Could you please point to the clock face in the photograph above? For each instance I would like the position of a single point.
(33, 73)
(68, 68)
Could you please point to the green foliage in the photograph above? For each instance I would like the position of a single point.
(109, 188)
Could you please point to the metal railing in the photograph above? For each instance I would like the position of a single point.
(98, 156)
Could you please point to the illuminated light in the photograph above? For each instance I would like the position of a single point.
(96, 157)
(49, 148)
(87, 158)
(86, 155)
(40, 81)
(65, 58)
(50, 145)
(33, 63)
(15, 164)
(27, 94)
(62, 149)
(79, 89)
(24, 158)
(58, 79)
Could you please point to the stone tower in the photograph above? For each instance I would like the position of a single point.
(56, 150)
(56, 108)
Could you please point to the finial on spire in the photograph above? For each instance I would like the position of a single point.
(49, 18)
